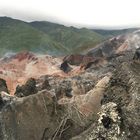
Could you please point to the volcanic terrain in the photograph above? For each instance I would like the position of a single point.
(90, 96)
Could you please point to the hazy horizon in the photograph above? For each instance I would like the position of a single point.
(109, 14)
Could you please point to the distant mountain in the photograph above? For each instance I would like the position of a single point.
(72, 38)
(47, 37)
(111, 33)
(16, 35)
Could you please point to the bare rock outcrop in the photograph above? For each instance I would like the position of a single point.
(27, 89)
(65, 67)
(118, 118)
(107, 126)
(136, 57)
(30, 118)
(3, 86)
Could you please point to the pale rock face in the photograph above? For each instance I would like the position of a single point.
(90, 102)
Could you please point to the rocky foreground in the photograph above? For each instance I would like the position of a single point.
(95, 96)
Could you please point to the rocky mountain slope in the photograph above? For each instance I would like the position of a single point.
(76, 97)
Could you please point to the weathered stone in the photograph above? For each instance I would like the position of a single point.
(65, 67)
(27, 89)
(3, 85)
(29, 117)
(137, 55)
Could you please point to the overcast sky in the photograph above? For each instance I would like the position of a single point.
(90, 13)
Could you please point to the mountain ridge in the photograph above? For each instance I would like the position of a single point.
(47, 37)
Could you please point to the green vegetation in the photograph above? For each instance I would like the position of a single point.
(72, 38)
(17, 36)
(47, 37)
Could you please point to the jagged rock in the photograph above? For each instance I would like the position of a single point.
(25, 55)
(107, 48)
(5, 99)
(77, 88)
(93, 64)
(97, 52)
(3, 85)
(65, 67)
(74, 59)
(46, 84)
(137, 55)
(119, 116)
(78, 59)
(2, 102)
(27, 89)
(108, 125)
(89, 104)
(63, 89)
(124, 90)
(30, 118)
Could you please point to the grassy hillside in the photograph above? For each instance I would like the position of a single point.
(16, 36)
(47, 37)
(72, 38)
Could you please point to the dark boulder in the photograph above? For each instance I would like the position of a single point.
(1, 102)
(63, 90)
(46, 84)
(65, 67)
(3, 86)
(78, 59)
(27, 89)
(89, 64)
(96, 52)
(30, 118)
(74, 59)
(137, 55)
